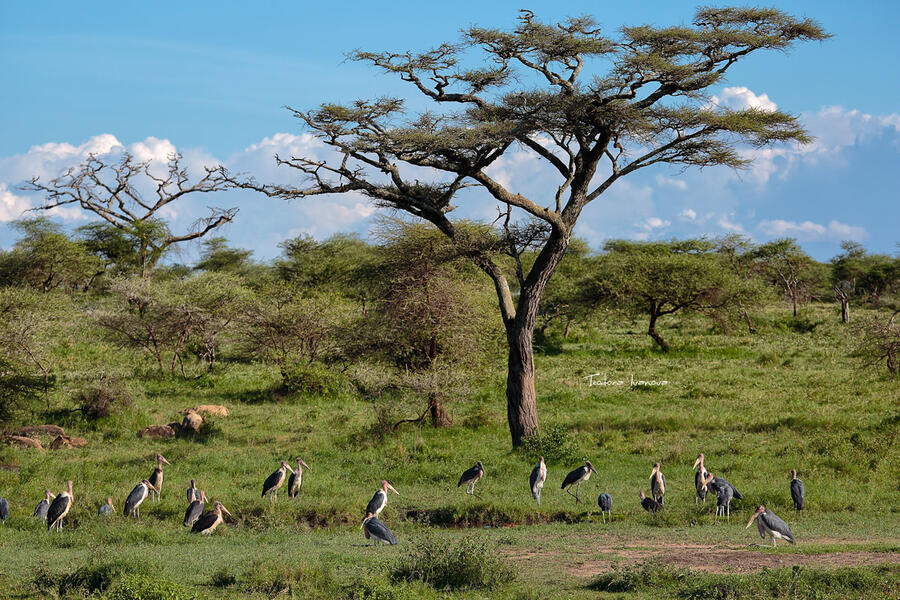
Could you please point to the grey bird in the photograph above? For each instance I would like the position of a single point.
(769, 523)
(378, 531)
(798, 493)
(195, 510)
(107, 509)
(537, 479)
(138, 495)
(192, 492)
(724, 494)
(718, 482)
(575, 478)
(40, 511)
(4, 510)
(604, 501)
(470, 477)
(274, 481)
(650, 505)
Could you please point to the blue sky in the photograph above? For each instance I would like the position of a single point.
(210, 80)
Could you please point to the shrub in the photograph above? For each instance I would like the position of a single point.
(145, 587)
(107, 397)
(298, 580)
(798, 324)
(443, 564)
(553, 443)
(312, 378)
(93, 577)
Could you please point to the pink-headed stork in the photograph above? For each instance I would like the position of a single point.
(537, 479)
(575, 478)
(769, 523)
(136, 497)
(296, 479)
(379, 500)
(206, 524)
(60, 507)
(470, 477)
(274, 481)
(156, 479)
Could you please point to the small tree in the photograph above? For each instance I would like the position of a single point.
(130, 196)
(661, 278)
(544, 88)
(26, 317)
(880, 342)
(785, 265)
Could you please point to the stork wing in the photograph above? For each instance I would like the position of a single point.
(57, 508)
(204, 522)
(271, 481)
(468, 475)
(380, 531)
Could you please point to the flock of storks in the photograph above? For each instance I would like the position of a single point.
(53, 509)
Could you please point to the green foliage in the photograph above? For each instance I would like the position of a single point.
(312, 378)
(107, 397)
(20, 392)
(148, 587)
(98, 575)
(469, 563)
(801, 323)
(554, 444)
(291, 578)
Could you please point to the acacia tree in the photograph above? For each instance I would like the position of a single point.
(786, 266)
(116, 191)
(536, 88)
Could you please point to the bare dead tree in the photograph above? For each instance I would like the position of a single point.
(130, 196)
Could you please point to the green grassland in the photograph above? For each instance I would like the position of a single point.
(756, 405)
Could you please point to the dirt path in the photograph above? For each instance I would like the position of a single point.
(713, 558)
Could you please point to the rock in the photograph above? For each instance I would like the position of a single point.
(23, 442)
(192, 421)
(157, 431)
(49, 430)
(216, 410)
(65, 441)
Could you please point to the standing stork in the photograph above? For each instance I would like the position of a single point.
(700, 480)
(43, 506)
(107, 509)
(769, 523)
(4, 510)
(650, 505)
(724, 493)
(470, 477)
(274, 481)
(156, 479)
(604, 501)
(657, 484)
(192, 492)
(195, 510)
(60, 507)
(138, 495)
(798, 493)
(296, 479)
(537, 479)
(379, 500)
(206, 524)
(576, 477)
(378, 531)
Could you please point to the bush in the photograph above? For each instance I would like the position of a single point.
(88, 579)
(145, 587)
(798, 324)
(312, 378)
(107, 397)
(554, 444)
(273, 579)
(19, 391)
(466, 564)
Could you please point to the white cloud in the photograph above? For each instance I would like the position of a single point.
(688, 214)
(678, 184)
(809, 231)
(727, 224)
(742, 98)
(11, 205)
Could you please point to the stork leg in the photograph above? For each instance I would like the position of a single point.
(728, 506)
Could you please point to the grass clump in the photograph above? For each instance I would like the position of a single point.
(554, 444)
(272, 579)
(469, 563)
(145, 587)
(96, 576)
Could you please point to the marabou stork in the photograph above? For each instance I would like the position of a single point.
(798, 493)
(210, 520)
(718, 482)
(769, 523)
(195, 509)
(192, 492)
(650, 505)
(724, 493)
(379, 500)
(470, 477)
(156, 479)
(43, 506)
(296, 479)
(604, 501)
(576, 477)
(700, 480)
(4, 510)
(106, 510)
(378, 531)
(657, 484)
(537, 479)
(274, 481)
(138, 495)
(60, 507)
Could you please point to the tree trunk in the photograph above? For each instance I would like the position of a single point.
(439, 415)
(566, 332)
(651, 331)
(845, 310)
(521, 401)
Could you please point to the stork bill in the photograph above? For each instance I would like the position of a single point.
(296, 479)
(470, 477)
(575, 478)
(60, 507)
(537, 479)
(768, 523)
(379, 500)
(207, 523)
(378, 531)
